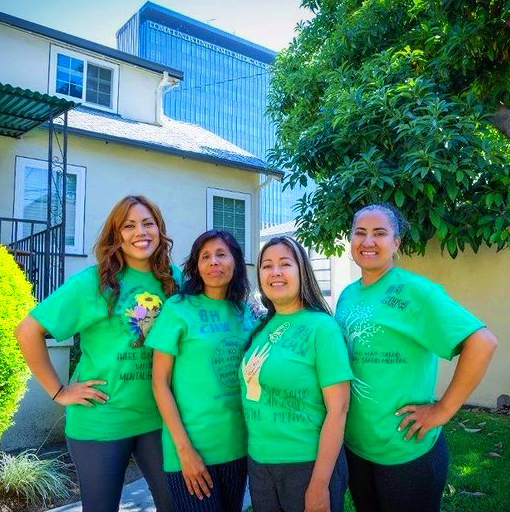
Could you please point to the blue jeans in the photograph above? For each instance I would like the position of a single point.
(101, 466)
(415, 486)
(282, 487)
(229, 485)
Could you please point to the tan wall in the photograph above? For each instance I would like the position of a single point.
(343, 272)
(137, 93)
(23, 59)
(481, 283)
(24, 62)
(178, 185)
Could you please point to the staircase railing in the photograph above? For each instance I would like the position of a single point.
(39, 253)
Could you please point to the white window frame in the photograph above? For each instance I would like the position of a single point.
(55, 50)
(217, 192)
(80, 172)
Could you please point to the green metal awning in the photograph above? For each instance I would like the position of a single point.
(23, 109)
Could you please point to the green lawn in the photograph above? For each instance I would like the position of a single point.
(474, 464)
(474, 440)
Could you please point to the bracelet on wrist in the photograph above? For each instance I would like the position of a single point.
(57, 393)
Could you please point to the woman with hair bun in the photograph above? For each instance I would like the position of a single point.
(396, 325)
(111, 413)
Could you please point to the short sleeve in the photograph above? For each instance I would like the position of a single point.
(442, 324)
(71, 308)
(168, 329)
(331, 357)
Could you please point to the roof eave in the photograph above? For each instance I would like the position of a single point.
(173, 151)
(85, 44)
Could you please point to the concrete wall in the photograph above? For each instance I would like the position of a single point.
(38, 419)
(25, 62)
(481, 283)
(343, 272)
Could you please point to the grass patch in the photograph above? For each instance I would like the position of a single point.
(25, 478)
(479, 475)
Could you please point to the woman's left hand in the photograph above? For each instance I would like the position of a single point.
(425, 418)
(317, 498)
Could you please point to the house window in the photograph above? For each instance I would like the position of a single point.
(31, 198)
(83, 78)
(99, 85)
(69, 76)
(231, 211)
(322, 270)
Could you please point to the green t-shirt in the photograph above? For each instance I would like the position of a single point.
(207, 338)
(113, 350)
(395, 330)
(282, 375)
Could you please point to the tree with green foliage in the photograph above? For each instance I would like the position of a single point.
(400, 101)
(16, 300)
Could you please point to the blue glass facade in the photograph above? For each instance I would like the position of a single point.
(225, 86)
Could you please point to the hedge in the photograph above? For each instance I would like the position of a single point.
(16, 300)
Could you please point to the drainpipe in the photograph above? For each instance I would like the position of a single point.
(165, 82)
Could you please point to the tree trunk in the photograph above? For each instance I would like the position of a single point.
(501, 120)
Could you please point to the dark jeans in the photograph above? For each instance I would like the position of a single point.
(101, 466)
(416, 486)
(229, 484)
(282, 487)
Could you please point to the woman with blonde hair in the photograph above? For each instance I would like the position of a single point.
(111, 413)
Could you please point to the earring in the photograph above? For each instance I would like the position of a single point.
(396, 256)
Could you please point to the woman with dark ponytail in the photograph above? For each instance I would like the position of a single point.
(396, 325)
(295, 389)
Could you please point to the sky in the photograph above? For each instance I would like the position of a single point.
(269, 23)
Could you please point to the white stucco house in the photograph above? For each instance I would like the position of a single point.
(114, 143)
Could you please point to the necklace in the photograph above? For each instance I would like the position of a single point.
(275, 336)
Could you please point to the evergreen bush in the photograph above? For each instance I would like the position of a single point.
(16, 300)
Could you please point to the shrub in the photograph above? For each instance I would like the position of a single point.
(16, 300)
(28, 478)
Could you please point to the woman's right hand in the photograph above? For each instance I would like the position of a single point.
(197, 478)
(80, 393)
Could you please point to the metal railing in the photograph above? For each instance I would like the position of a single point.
(40, 253)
